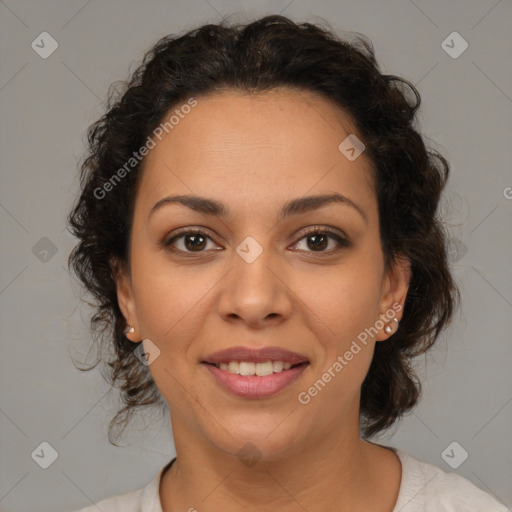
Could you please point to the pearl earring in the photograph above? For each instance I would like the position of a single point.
(129, 330)
(388, 329)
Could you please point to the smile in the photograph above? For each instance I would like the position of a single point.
(255, 380)
(251, 368)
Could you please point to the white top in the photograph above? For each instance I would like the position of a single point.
(423, 488)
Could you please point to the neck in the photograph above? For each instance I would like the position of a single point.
(346, 470)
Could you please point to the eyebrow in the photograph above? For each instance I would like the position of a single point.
(294, 207)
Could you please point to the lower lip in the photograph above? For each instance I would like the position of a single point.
(253, 386)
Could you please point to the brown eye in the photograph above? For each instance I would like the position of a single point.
(193, 241)
(318, 240)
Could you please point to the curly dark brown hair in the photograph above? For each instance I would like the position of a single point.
(268, 53)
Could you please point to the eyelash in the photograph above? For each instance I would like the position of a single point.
(342, 242)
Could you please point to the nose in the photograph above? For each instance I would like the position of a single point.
(255, 292)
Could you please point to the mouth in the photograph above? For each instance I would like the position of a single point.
(255, 373)
(251, 368)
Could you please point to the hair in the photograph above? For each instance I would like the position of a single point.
(267, 54)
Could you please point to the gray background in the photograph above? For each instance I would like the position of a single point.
(46, 106)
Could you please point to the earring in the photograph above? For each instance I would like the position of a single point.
(129, 330)
(388, 329)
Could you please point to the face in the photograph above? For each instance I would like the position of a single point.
(257, 276)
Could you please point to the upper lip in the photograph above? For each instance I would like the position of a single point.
(254, 355)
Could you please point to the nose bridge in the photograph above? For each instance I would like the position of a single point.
(252, 265)
(254, 289)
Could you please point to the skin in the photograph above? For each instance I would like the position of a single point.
(254, 153)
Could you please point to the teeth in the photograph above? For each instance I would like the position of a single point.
(277, 366)
(263, 369)
(247, 368)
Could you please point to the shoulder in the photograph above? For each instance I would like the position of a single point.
(146, 499)
(428, 488)
(129, 502)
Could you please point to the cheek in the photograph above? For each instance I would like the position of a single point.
(342, 324)
(169, 299)
(344, 308)
(345, 300)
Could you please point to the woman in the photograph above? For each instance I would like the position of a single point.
(257, 225)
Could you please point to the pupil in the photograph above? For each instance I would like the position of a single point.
(318, 244)
(195, 245)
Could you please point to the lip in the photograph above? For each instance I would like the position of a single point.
(253, 386)
(256, 355)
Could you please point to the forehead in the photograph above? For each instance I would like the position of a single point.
(270, 146)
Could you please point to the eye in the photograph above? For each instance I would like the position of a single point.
(193, 241)
(319, 238)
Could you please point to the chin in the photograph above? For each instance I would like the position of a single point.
(257, 439)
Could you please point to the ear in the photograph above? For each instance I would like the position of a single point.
(395, 286)
(125, 298)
